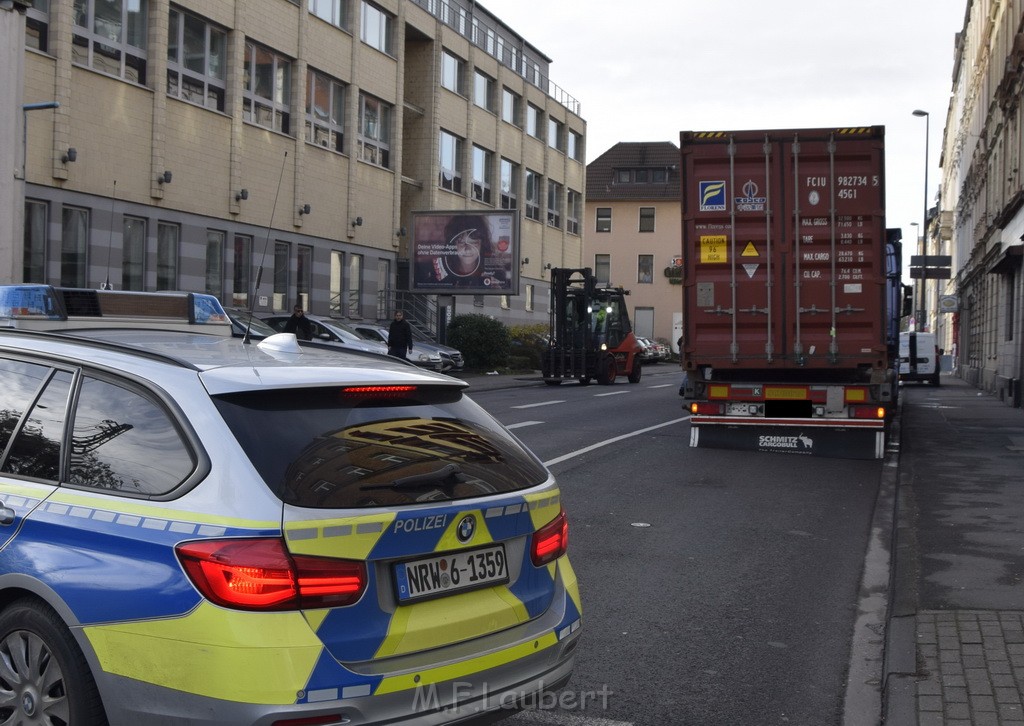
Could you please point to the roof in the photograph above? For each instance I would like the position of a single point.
(631, 156)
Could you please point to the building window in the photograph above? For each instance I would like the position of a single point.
(74, 244)
(325, 111)
(36, 220)
(375, 28)
(483, 91)
(574, 202)
(509, 184)
(167, 239)
(604, 219)
(374, 131)
(451, 72)
(282, 261)
(215, 262)
(133, 254)
(481, 175)
(355, 286)
(554, 134)
(450, 176)
(533, 119)
(532, 195)
(622, 176)
(574, 145)
(196, 60)
(109, 36)
(337, 283)
(645, 269)
(646, 219)
(1011, 305)
(333, 11)
(304, 276)
(242, 266)
(603, 269)
(267, 91)
(37, 27)
(529, 299)
(659, 176)
(511, 107)
(554, 204)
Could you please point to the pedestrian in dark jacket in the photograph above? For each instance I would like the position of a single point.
(399, 336)
(299, 324)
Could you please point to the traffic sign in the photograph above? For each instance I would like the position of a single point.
(930, 273)
(931, 260)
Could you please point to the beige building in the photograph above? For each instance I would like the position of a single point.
(634, 232)
(979, 220)
(273, 151)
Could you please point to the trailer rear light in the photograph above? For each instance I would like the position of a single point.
(706, 409)
(260, 574)
(871, 412)
(550, 541)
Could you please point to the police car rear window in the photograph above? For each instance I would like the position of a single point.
(329, 448)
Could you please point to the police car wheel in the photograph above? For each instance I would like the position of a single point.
(48, 674)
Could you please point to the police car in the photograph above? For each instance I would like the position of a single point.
(204, 529)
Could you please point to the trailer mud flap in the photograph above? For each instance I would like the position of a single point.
(837, 442)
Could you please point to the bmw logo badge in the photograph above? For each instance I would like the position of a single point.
(467, 526)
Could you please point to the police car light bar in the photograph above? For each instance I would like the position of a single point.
(44, 307)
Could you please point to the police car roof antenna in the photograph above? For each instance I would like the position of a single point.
(110, 242)
(263, 255)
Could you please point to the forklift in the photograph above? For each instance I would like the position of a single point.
(589, 333)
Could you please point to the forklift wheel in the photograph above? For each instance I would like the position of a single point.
(606, 370)
(634, 375)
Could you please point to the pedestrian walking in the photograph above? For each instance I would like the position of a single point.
(399, 336)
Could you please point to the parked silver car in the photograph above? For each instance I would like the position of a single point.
(330, 330)
(424, 352)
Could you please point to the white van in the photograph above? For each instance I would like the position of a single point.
(919, 358)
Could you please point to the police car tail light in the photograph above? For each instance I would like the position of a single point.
(259, 574)
(550, 541)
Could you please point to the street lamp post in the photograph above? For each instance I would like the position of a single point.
(919, 315)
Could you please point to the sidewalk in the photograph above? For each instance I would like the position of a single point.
(955, 638)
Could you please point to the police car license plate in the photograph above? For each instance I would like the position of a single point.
(450, 573)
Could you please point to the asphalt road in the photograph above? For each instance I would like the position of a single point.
(719, 587)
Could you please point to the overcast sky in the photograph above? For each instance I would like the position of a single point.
(644, 70)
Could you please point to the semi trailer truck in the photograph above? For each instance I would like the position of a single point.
(791, 291)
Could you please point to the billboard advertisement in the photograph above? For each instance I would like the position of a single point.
(465, 252)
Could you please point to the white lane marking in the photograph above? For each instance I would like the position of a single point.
(523, 423)
(613, 393)
(553, 718)
(542, 403)
(571, 454)
(662, 385)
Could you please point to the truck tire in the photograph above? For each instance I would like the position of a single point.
(606, 370)
(637, 372)
(553, 381)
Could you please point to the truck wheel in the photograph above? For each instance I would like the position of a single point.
(584, 380)
(634, 375)
(49, 675)
(553, 381)
(606, 370)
